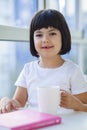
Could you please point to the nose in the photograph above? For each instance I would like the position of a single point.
(45, 39)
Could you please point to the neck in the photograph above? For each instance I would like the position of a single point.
(51, 63)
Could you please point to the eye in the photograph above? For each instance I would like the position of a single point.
(52, 33)
(38, 35)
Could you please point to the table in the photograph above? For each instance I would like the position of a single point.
(71, 120)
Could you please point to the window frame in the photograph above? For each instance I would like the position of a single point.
(11, 33)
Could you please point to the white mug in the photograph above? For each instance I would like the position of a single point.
(48, 99)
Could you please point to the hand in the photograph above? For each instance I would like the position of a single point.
(8, 105)
(69, 101)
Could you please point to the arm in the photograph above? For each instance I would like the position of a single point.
(82, 97)
(21, 95)
(19, 100)
(75, 102)
(82, 101)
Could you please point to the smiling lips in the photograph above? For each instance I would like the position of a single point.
(47, 47)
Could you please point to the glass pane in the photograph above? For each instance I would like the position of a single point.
(17, 12)
(84, 15)
(69, 12)
(85, 58)
(13, 56)
(73, 55)
(52, 4)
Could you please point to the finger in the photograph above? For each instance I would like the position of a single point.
(64, 106)
(63, 94)
(3, 109)
(9, 107)
(0, 110)
(63, 102)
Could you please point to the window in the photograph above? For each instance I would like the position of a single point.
(14, 39)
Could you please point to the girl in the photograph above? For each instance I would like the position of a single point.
(49, 39)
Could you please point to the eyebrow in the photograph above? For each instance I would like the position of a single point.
(53, 29)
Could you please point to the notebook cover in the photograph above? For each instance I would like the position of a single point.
(27, 120)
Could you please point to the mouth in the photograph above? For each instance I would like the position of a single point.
(47, 47)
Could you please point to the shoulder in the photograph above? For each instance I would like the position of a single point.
(71, 66)
(30, 65)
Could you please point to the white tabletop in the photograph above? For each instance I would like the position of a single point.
(71, 120)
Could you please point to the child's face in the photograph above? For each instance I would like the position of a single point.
(47, 42)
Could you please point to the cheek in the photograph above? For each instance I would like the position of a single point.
(59, 43)
(37, 45)
(35, 42)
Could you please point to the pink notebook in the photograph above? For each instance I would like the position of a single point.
(27, 120)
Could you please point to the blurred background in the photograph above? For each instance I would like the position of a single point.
(18, 13)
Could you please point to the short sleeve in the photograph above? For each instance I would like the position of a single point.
(21, 81)
(78, 83)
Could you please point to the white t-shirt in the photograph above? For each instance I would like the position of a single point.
(68, 76)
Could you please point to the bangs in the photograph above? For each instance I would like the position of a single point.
(45, 20)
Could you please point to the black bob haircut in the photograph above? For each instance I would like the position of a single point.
(50, 18)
